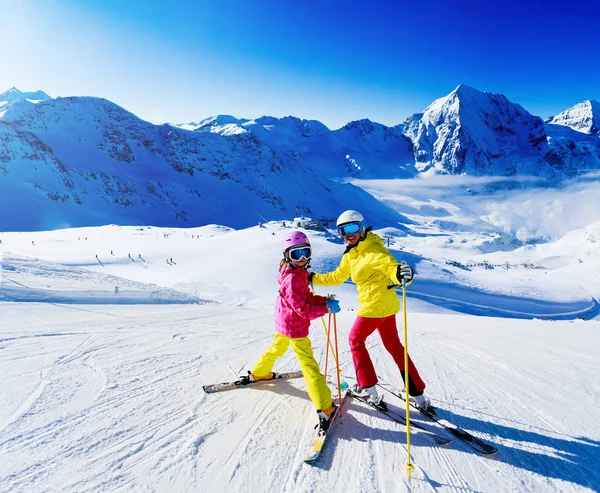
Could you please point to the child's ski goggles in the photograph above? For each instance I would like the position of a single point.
(299, 253)
(349, 229)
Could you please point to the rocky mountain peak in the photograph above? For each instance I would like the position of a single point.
(583, 117)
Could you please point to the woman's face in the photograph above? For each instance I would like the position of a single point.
(352, 239)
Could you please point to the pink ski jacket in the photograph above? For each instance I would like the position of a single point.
(296, 306)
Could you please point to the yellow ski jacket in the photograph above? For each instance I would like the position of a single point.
(372, 268)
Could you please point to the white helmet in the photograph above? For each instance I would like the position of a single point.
(350, 217)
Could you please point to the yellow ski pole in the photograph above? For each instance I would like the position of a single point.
(408, 466)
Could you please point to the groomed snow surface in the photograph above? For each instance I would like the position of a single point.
(103, 361)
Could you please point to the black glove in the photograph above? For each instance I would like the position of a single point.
(404, 272)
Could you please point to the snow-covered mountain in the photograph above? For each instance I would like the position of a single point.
(85, 161)
(476, 133)
(13, 95)
(470, 132)
(583, 117)
(220, 124)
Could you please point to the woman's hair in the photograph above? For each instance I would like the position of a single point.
(283, 262)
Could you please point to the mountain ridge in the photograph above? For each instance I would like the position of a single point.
(87, 161)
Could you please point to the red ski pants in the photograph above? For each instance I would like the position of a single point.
(365, 372)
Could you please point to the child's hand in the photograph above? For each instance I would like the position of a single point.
(333, 306)
(331, 297)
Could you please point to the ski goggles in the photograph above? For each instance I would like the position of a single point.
(299, 253)
(349, 229)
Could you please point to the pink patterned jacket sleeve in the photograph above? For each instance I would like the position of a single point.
(296, 306)
(303, 301)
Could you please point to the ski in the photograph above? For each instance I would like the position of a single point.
(238, 384)
(319, 442)
(393, 415)
(475, 443)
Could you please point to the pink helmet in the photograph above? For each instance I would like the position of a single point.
(295, 238)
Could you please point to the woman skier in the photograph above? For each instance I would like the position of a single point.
(374, 271)
(295, 307)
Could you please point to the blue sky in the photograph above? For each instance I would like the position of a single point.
(331, 61)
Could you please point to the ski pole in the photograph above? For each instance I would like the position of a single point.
(329, 343)
(337, 364)
(408, 466)
(328, 332)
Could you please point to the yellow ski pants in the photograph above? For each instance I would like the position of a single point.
(318, 391)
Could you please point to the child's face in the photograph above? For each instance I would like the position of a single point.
(300, 263)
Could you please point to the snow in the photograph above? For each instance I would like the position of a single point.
(102, 390)
(13, 95)
(108, 332)
(583, 117)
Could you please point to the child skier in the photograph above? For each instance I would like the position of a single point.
(295, 307)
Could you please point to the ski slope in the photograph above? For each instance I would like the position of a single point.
(102, 393)
(109, 399)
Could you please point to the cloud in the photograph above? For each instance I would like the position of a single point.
(524, 206)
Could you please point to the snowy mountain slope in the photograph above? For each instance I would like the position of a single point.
(125, 170)
(27, 279)
(570, 151)
(13, 95)
(476, 133)
(114, 405)
(380, 151)
(223, 125)
(35, 184)
(583, 117)
(220, 124)
(118, 168)
(107, 398)
(191, 261)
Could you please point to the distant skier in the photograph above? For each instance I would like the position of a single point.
(295, 307)
(374, 270)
